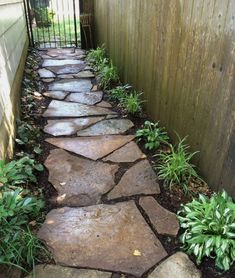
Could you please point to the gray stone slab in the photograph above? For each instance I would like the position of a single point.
(65, 127)
(70, 109)
(60, 51)
(111, 237)
(104, 104)
(89, 98)
(71, 85)
(44, 73)
(56, 63)
(69, 69)
(95, 147)
(78, 181)
(164, 221)
(84, 74)
(105, 127)
(128, 153)
(139, 179)
(57, 271)
(48, 80)
(176, 266)
(56, 94)
(65, 76)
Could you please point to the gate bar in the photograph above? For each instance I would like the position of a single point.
(75, 23)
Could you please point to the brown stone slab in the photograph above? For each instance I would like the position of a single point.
(71, 85)
(84, 74)
(110, 237)
(92, 147)
(104, 104)
(69, 69)
(139, 179)
(79, 181)
(164, 221)
(89, 98)
(128, 153)
(60, 95)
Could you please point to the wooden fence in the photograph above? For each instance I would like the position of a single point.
(181, 53)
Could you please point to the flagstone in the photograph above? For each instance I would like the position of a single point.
(60, 51)
(48, 80)
(95, 147)
(65, 76)
(44, 73)
(56, 94)
(70, 109)
(104, 104)
(69, 69)
(79, 181)
(128, 153)
(72, 85)
(89, 98)
(111, 237)
(65, 127)
(105, 127)
(65, 62)
(139, 179)
(84, 74)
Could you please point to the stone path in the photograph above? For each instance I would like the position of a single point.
(106, 219)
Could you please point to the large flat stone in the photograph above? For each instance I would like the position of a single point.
(44, 73)
(70, 109)
(57, 271)
(69, 69)
(89, 98)
(85, 74)
(164, 221)
(176, 266)
(109, 237)
(71, 85)
(56, 63)
(104, 104)
(94, 147)
(112, 126)
(128, 153)
(78, 181)
(139, 179)
(60, 95)
(69, 126)
(60, 51)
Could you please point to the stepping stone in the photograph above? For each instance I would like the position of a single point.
(84, 74)
(69, 126)
(94, 147)
(65, 76)
(70, 109)
(104, 104)
(69, 69)
(48, 80)
(129, 153)
(56, 94)
(44, 73)
(139, 179)
(111, 237)
(78, 181)
(57, 271)
(176, 266)
(57, 51)
(71, 85)
(56, 63)
(105, 127)
(89, 98)
(164, 221)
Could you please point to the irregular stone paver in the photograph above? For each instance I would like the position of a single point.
(56, 94)
(84, 74)
(164, 221)
(89, 98)
(78, 181)
(69, 69)
(176, 266)
(59, 51)
(55, 63)
(66, 76)
(69, 126)
(92, 147)
(139, 179)
(44, 73)
(102, 237)
(57, 271)
(105, 127)
(48, 80)
(70, 109)
(104, 104)
(128, 153)
(71, 85)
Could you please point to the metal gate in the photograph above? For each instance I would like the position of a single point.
(53, 23)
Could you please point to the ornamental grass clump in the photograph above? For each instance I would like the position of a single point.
(209, 229)
(132, 102)
(95, 57)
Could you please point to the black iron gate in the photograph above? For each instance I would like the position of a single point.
(53, 23)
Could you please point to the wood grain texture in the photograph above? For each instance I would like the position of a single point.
(181, 53)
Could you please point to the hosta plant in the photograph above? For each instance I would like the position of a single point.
(132, 102)
(175, 168)
(118, 93)
(209, 229)
(152, 135)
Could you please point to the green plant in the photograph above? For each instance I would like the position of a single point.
(107, 74)
(209, 229)
(18, 171)
(152, 135)
(175, 168)
(44, 17)
(96, 56)
(132, 102)
(118, 93)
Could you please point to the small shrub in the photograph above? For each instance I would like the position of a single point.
(175, 168)
(96, 56)
(209, 229)
(132, 102)
(118, 93)
(152, 135)
(107, 74)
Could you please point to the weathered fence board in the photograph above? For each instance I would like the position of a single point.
(181, 53)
